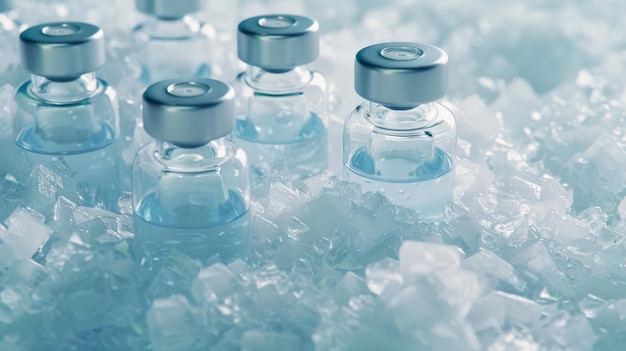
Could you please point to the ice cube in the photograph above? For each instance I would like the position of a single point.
(316, 183)
(84, 298)
(500, 311)
(476, 124)
(592, 305)
(513, 340)
(24, 234)
(536, 262)
(454, 337)
(489, 264)
(12, 194)
(419, 258)
(174, 275)
(283, 195)
(457, 288)
(515, 105)
(214, 283)
(20, 290)
(43, 188)
(383, 275)
(174, 325)
(519, 188)
(565, 331)
(591, 175)
(125, 203)
(349, 286)
(471, 176)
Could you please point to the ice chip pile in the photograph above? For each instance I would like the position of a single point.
(530, 255)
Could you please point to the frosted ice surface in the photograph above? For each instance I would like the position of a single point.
(43, 187)
(417, 258)
(383, 275)
(445, 296)
(537, 263)
(176, 274)
(11, 194)
(19, 289)
(477, 124)
(350, 286)
(491, 265)
(565, 331)
(214, 283)
(515, 105)
(501, 311)
(174, 325)
(592, 305)
(25, 233)
(283, 196)
(591, 175)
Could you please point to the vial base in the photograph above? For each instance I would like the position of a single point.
(156, 234)
(427, 192)
(296, 159)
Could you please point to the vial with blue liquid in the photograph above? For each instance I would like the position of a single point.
(282, 105)
(191, 186)
(171, 41)
(401, 141)
(65, 117)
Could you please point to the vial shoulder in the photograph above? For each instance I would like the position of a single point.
(298, 80)
(66, 94)
(212, 157)
(425, 116)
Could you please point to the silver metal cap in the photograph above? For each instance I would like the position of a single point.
(278, 43)
(62, 50)
(169, 9)
(188, 112)
(401, 75)
(6, 5)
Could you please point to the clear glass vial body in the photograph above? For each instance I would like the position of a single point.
(171, 48)
(282, 121)
(407, 154)
(193, 200)
(73, 125)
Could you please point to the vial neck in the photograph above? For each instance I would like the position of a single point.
(69, 91)
(419, 117)
(193, 159)
(172, 28)
(278, 82)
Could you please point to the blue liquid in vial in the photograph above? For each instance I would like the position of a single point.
(424, 187)
(296, 155)
(70, 140)
(196, 230)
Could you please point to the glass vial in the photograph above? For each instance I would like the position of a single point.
(400, 141)
(191, 187)
(65, 117)
(282, 106)
(171, 42)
